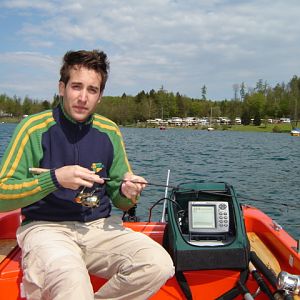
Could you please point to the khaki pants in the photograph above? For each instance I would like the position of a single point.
(57, 258)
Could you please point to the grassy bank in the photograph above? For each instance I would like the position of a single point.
(276, 128)
(10, 120)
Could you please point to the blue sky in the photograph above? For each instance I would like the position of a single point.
(178, 44)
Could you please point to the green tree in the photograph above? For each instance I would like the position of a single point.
(257, 119)
(46, 105)
(245, 117)
(180, 105)
(203, 92)
(139, 97)
(27, 106)
(242, 91)
(294, 97)
(55, 102)
(235, 91)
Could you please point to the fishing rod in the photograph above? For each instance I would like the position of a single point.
(151, 183)
(38, 171)
(91, 199)
(168, 186)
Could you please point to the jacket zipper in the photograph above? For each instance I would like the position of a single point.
(78, 131)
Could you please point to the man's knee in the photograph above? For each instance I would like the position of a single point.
(50, 279)
(162, 266)
(69, 280)
(154, 264)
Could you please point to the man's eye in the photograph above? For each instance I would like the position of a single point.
(76, 87)
(93, 91)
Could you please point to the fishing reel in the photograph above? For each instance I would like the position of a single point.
(289, 283)
(88, 199)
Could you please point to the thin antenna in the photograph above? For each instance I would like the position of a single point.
(166, 195)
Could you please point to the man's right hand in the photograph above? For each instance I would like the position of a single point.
(73, 177)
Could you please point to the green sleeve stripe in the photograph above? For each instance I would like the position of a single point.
(20, 195)
(18, 188)
(15, 152)
(20, 150)
(104, 120)
(10, 187)
(110, 127)
(120, 163)
(26, 197)
(105, 123)
(15, 159)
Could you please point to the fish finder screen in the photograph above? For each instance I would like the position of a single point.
(203, 217)
(207, 217)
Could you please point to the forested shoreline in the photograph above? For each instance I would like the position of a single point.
(261, 102)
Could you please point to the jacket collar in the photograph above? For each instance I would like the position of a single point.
(69, 118)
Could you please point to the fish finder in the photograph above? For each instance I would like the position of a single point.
(208, 217)
(206, 229)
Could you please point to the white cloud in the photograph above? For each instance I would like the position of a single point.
(29, 4)
(29, 73)
(180, 44)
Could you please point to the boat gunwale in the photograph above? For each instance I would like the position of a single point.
(280, 243)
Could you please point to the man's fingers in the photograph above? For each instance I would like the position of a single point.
(132, 186)
(89, 176)
(75, 176)
(72, 176)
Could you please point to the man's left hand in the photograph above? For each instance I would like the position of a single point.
(132, 186)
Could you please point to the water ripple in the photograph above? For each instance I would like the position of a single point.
(262, 166)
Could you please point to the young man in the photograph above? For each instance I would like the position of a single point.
(66, 234)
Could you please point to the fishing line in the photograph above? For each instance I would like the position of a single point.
(268, 201)
(178, 188)
(147, 183)
(292, 225)
(245, 197)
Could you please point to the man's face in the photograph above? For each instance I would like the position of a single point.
(81, 94)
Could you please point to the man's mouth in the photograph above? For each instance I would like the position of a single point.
(80, 108)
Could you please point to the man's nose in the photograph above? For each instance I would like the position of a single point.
(83, 95)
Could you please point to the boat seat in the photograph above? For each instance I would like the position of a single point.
(9, 222)
(11, 255)
(6, 246)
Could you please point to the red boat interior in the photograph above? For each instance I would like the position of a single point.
(204, 284)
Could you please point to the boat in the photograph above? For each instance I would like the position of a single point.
(210, 127)
(295, 125)
(221, 249)
(295, 129)
(295, 132)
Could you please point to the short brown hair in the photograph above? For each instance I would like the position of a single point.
(95, 60)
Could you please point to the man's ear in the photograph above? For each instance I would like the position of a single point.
(61, 88)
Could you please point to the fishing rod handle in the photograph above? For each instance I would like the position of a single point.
(288, 282)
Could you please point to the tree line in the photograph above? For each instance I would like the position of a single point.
(257, 103)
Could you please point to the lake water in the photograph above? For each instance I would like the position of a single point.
(263, 167)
